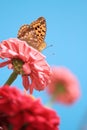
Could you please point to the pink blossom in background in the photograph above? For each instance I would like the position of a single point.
(22, 112)
(34, 69)
(64, 86)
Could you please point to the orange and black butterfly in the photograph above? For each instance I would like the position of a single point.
(34, 33)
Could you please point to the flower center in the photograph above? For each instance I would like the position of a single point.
(17, 65)
(60, 88)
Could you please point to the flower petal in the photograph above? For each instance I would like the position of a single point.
(64, 86)
(25, 82)
(21, 109)
(33, 62)
(5, 63)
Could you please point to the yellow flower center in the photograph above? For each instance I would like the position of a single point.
(17, 65)
(60, 88)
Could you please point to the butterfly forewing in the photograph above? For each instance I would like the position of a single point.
(22, 31)
(40, 28)
(34, 33)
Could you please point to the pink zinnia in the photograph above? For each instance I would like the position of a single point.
(21, 112)
(64, 86)
(27, 61)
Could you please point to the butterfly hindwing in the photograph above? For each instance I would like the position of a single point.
(26, 33)
(34, 34)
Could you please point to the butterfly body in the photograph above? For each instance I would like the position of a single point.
(34, 34)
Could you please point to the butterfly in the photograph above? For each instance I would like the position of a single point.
(34, 33)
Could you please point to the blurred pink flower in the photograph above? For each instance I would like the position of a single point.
(64, 86)
(22, 112)
(26, 61)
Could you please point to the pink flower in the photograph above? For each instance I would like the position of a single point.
(27, 61)
(21, 112)
(64, 86)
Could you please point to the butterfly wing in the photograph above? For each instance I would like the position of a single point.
(27, 33)
(23, 29)
(34, 34)
(42, 46)
(40, 28)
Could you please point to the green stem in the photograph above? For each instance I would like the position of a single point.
(50, 103)
(12, 77)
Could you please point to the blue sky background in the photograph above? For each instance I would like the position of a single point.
(67, 32)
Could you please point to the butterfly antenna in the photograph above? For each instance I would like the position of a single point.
(49, 46)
